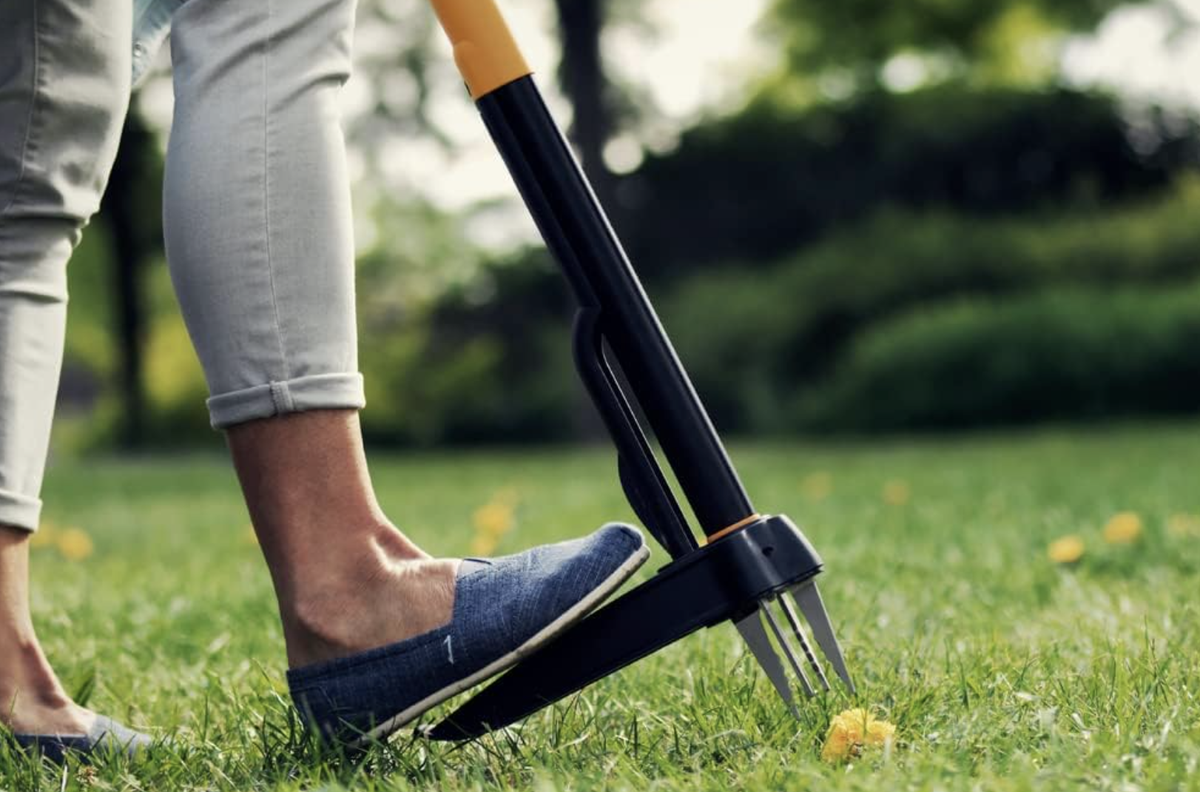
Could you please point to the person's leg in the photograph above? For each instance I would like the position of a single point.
(64, 87)
(333, 555)
(259, 243)
(31, 698)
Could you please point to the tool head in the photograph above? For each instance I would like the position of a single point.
(775, 608)
(751, 629)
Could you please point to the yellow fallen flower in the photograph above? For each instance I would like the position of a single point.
(1184, 525)
(74, 544)
(483, 545)
(853, 731)
(509, 496)
(1123, 528)
(896, 493)
(1066, 550)
(493, 519)
(817, 486)
(45, 536)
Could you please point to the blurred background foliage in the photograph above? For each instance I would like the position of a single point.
(907, 218)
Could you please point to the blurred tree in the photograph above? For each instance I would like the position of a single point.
(770, 179)
(131, 212)
(582, 77)
(401, 60)
(852, 41)
(398, 55)
(581, 74)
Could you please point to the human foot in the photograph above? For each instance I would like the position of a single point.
(42, 711)
(502, 609)
(103, 736)
(33, 704)
(43, 718)
(31, 697)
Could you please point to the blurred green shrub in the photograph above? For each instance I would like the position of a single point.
(487, 362)
(175, 386)
(900, 258)
(1065, 353)
(752, 339)
(490, 361)
(767, 346)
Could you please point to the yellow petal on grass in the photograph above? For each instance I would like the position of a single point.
(1183, 525)
(896, 492)
(483, 545)
(45, 536)
(74, 544)
(493, 519)
(852, 732)
(1066, 550)
(1123, 528)
(817, 486)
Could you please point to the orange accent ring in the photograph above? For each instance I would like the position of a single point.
(484, 48)
(731, 528)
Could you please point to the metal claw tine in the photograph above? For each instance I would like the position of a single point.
(808, 597)
(786, 648)
(755, 636)
(794, 621)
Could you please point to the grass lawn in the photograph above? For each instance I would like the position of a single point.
(999, 668)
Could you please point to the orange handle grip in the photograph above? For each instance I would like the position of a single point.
(484, 48)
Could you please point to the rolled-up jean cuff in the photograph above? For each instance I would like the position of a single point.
(19, 511)
(314, 392)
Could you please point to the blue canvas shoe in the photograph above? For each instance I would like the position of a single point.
(504, 609)
(105, 736)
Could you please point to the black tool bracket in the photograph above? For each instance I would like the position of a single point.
(641, 477)
(756, 561)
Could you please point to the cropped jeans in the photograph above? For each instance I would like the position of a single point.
(256, 201)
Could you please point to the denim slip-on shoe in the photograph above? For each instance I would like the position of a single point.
(504, 609)
(105, 736)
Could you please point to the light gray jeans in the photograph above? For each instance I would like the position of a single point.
(256, 204)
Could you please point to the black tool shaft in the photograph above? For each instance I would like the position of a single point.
(579, 236)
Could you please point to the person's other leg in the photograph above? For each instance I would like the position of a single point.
(31, 698)
(64, 87)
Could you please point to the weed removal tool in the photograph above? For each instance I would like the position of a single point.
(751, 567)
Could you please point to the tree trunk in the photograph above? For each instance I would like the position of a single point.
(134, 241)
(581, 74)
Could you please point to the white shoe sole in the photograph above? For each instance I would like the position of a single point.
(568, 618)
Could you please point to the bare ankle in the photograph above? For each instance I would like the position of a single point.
(31, 697)
(380, 602)
(395, 546)
(321, 606)
(23, 664)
